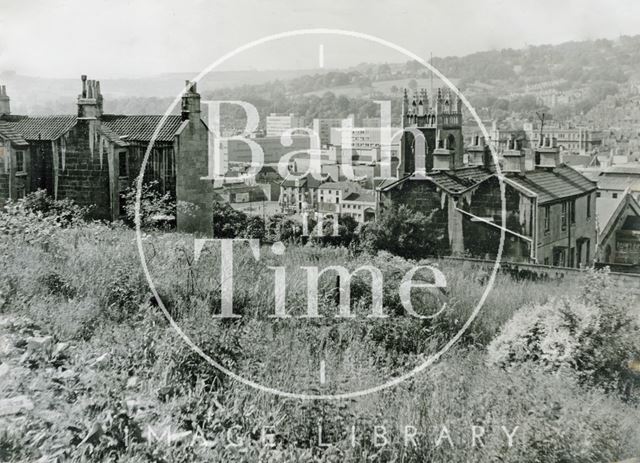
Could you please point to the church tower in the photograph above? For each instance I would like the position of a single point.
(439, 121)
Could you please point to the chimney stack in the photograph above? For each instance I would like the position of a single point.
(190, 102)
(480, 153)
(443, 155)
(5, 103)
(547, 155)
(90, 100)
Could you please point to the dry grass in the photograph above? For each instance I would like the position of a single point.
(84, 285)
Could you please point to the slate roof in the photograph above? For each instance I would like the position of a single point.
(336, 186)
(307, 180)
(363, 196)
(629, 168)
(452, 181)
(141, 128)
(548, 184)
(554, 184)
(619, 182)
(8, 132)
(43, 128)
(112, 136)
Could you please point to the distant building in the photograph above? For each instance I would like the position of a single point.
(236, 151)
(330, 195)
(360, 205)
(299, 194)
(578, 140)
(323, 126)
(277, 124)
(614, 181)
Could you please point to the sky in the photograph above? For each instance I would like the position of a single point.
(137, 38)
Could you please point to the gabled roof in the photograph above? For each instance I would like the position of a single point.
(141, 128)
(8, 132)
(42, 128)
(451, 181)
(548, 184)
(112, 136)
(619, 182)
(308, 180)
(554, 184)
(608, 211)
(336, 186)
(363, 196)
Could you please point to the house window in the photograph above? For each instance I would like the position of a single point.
(122, 164)
(597, 194)
(563, 216)
(547, 219)
(614, 195)
(19, 161)
(588, 206)
(573, 211)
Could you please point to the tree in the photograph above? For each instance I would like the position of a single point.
(403, 232)
(227, 222)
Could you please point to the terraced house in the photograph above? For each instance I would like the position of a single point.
(92, 157)
(549, 208)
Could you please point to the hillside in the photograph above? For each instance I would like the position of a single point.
(591, 82)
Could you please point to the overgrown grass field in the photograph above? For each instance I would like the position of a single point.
(554, 359)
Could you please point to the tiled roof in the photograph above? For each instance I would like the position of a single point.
(363, 196)
(112, 136)
(451, 181)
(307, 180)
(43, 128)
(7, 131)
(619, 182)
(336, 186)
(461, 179)
(141, 128)
(548, 184)
(629, 168)
(554, 184)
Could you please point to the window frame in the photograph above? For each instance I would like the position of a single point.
(547, 219)
(21, 167)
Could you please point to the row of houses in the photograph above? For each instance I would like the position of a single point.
(554, 214)
(547, 210)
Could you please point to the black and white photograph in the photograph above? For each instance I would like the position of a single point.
(395, 231)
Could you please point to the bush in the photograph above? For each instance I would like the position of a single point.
(157, 210)
(403, 232)
(595, 335)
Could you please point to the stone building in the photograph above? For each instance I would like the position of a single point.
(92, 157)
(549, 207)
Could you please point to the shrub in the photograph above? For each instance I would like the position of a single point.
(157, 210)
(403, 232)
(595, 334)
